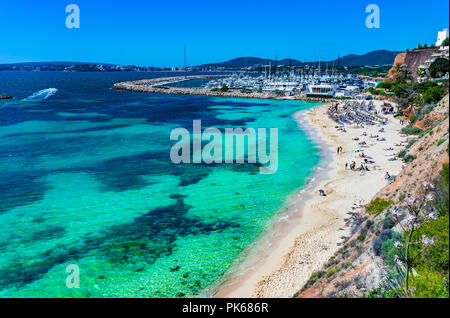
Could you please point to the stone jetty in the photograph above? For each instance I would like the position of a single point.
(156, 85)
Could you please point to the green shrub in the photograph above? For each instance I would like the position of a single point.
(434, 94)
(411, 130)
(362, 236)
(412, 117)
(385, 85)
(330, 273)
(377, 205)
(442, 200)
(423, 86)
(436, 256)
(438, 68)
(311, 281)
(441, 141)
(401, 90)
(402, 153)
(429, 284)
(381, 293)
(388, 250)
(388, 222)
(409, 158)
(410, 143)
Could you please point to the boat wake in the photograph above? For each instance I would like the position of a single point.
(41, 95)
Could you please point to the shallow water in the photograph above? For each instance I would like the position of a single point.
(87, 179)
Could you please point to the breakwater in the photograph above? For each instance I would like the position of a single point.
(156, 85)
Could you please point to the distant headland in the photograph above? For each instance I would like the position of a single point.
(377, 57)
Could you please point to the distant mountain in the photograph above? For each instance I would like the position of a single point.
(379, 57)
(241, 62)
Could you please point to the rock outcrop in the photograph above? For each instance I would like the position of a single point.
(412, 60)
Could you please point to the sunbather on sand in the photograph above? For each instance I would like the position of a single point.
(387, 176)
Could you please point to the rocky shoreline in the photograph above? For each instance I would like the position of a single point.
(156, 86)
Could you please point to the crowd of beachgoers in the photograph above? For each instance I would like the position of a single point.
(364, 138)
(362, 115)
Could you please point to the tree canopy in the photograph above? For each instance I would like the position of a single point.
(438, 68)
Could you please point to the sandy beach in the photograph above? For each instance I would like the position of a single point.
(314, 226)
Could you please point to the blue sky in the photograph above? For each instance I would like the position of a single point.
(153, 32)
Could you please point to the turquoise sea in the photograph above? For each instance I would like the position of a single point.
(86, 179)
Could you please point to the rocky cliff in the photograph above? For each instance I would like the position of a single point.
(412, 60)
(355, 269)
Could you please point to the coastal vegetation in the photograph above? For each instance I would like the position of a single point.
(377, 205)
(438, 68)
(416, 99)
(400, 245)
(223, 89)
(423, 47)
(418, 257)
(445, 42)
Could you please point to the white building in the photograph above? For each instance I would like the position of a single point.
(442, 35)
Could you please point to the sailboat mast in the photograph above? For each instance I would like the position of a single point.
(319, 62)
(185, 65)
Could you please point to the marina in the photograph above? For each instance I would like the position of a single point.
(292, 86)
